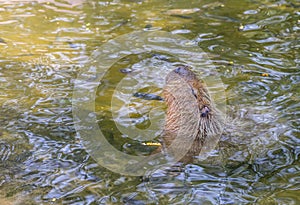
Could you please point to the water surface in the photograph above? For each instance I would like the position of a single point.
(254, 46)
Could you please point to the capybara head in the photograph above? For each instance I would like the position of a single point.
(192, 117)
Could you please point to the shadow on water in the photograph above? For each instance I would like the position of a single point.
(44, 45)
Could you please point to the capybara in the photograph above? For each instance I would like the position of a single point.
(193, 123)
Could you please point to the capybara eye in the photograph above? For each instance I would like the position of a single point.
(194, 92)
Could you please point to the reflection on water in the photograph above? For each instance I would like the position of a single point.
(44, 45)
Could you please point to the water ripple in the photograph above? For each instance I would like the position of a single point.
(44, 45)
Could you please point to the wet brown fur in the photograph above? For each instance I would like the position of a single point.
(192, 118)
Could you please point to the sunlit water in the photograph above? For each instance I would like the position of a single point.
(254, 46)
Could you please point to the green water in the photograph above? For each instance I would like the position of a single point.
(45, 45)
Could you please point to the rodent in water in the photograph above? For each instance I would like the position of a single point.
(192, 119)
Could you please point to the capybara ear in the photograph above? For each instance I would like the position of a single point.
(204, 111)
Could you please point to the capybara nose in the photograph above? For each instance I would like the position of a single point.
(181, 70)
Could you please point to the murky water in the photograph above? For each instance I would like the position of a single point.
(254, 46)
